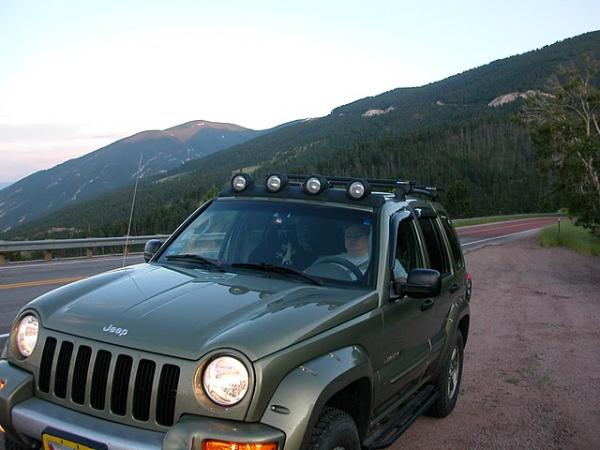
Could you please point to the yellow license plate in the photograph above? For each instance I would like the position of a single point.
(57, 443)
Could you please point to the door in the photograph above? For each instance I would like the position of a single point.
(437, 254)
(405, 343)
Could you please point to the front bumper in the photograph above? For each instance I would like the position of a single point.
(26, 417)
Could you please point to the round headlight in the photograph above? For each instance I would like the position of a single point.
(225, 380)
(314, 185)
(276, 182)
(27, 335)
(358, 189)
(240, 182)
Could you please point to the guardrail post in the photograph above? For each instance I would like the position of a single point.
(89, 252)
(48, 255)
(2, 259)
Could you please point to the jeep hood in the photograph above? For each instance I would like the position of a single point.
(187, 313)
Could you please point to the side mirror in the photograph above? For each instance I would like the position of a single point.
(421, 283)
(151, 248)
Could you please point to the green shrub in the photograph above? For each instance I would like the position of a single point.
(570, 236)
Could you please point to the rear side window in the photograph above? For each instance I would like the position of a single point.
(454, 244)
(435, 246)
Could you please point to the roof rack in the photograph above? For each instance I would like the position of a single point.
(429, 191)
(402, 188)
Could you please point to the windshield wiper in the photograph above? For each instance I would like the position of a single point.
(278, 269)
(191, 257)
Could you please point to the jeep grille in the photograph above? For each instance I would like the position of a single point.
(130, 380)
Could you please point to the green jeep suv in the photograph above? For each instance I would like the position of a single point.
(302, 312)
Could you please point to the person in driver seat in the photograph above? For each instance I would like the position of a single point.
(356, 241)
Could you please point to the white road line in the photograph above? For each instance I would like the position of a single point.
(502, 237)
(2, 336)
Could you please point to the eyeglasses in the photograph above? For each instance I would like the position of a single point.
(355, 236)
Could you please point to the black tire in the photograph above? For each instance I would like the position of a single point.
(447, 389)
(334, 430)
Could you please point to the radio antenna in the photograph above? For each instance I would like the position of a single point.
(137, 178)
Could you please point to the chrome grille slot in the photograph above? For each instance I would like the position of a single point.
(61, 374)
(82, 364)
(99, 379)
(143, 390)
(120, 385)
(167, 394)
(46, 365)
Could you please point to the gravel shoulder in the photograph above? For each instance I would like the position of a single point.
(532, 363)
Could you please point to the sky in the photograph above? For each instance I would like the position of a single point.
(78, 75)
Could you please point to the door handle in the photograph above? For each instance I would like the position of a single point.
(455, 287)
(427, 304)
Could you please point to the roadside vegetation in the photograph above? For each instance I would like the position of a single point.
(571, 236)
(565, 128)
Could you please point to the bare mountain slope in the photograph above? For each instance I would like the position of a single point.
(114, 166)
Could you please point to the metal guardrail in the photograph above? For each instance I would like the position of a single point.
(48, 245)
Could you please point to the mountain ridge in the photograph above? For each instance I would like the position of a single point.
(114, 166)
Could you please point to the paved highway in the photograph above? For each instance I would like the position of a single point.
(22, 282)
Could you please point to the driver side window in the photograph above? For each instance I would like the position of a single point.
(407, 252)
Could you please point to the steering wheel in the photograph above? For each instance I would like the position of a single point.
(342, 262)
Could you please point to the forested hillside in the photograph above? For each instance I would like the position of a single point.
(444, 133)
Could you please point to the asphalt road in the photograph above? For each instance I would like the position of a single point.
(477, 236)
(22, 282)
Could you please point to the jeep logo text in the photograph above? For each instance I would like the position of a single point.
(118, 331)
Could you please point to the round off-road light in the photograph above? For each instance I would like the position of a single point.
(358, 189)
(225, 380)
(240, 182)
(314, 184)
(276, 182)
(27, 335)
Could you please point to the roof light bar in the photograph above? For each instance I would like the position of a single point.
(358, 189)
(315, 184)
(241, 181)
(275, 182)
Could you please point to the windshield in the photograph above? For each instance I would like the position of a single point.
(332, 245)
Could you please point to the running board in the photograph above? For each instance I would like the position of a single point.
(399, 420)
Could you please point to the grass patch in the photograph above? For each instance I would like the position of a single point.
(570, 236)
(491, 219)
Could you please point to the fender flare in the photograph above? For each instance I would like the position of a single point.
(458, 311)
(299, 399)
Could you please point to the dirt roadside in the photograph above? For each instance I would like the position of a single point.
(531, 375)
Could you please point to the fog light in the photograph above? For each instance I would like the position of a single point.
(240, 182)
(314, 184)
(222, 445)
(276, 182)
(358, 189)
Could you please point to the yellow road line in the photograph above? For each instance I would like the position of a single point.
(39, 283)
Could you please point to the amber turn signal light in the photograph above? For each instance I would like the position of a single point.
(2, 383)
(222, 445)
